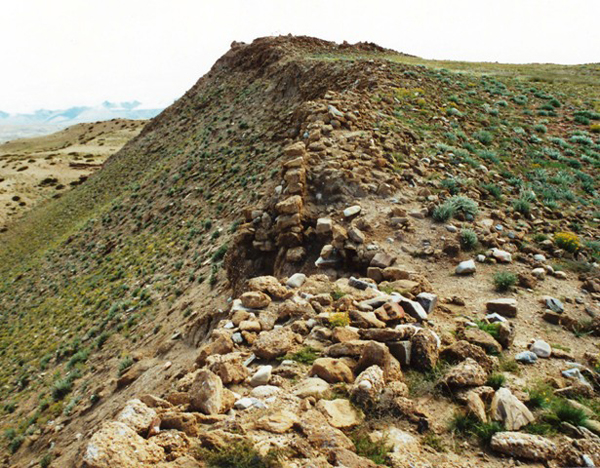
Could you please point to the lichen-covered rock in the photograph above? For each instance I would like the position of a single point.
(274, 343)
(368, 385)
(424, 351)
(519, 445)
(116, 444)
(466, 374)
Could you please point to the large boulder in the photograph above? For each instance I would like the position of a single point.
(519, 445)
(272, 344)
(508, 409)
(208, 395)
(117, 444)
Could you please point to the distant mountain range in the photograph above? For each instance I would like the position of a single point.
(44, 121)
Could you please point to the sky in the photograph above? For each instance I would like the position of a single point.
(61, 53)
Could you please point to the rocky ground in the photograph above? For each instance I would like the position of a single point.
(380, 298)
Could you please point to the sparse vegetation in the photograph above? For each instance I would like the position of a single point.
(504, 280)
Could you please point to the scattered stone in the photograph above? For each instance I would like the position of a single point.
(466, 374)
(352, 211)
(261, 376)
(526, 357)
(465, 268)
(508, 409)
(539, 258)
(368, 385)
(296, 280)
(208, 395)
(424, 351)
(475, 406)
(311, 387)
(539, 273)
(520, 445)
(555, 305)
(339, 413)
(377, 354)
(412, 308)
(382, 260)
(278, 422)
(360, 284)
(461, 350)
(502, 256)
(504, 306)
(269, 285)
(541, 349)
(428, 301)
(228, 367)
(332, 370)
(483, 339)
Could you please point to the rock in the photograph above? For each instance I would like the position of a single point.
(377, 354)
(508, 409)
(296, 280)
(400, 441)
(352, 211)
(353, 348)
(504, 306)
(274, 343)
(132, 374)
(321, 435)
(252, 326)
(175, 444)
(555, 305)
(365, 319)
(539, 273)
(381, 334)
(401, 350)
(368, 385)
(506, 334)
(269, 285)
(560, 275)
(382, 260)
(295, 307)
(466, 374)
(247, 402)
(184, 422)
(519, 445)
(412, 308)
(228, 367)
(461, 350)
(291, 205)
(265, 391)
(208, 395)
(483, 339)
(278, 422)
(332, 370)
(395, 274)
(261, 376)
(424, 351)
(526, 357)
(428, 301)
(221, 344)
(356, 235)
(502, 256)
(475, 406)
(539, 258)
(348, 459)
(344, 334)
(391, 311)
(255, 300)
(360, 284)
(116, 444)
(339, 413)
(465, 268)
(324, 226)
(541, 349)
(311, 387)
(138, 417)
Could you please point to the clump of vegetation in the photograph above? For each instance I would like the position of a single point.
(508, 365)
(540, 395)
(522, 206)
(567, 241)
(376, 451)
(490, 328)
(238, 454)
(339, 319)
(464, 205)
(562, 411)
(484, 137)
(125, 364)
(504, 280)
(337, 294)
(468, 239)
(306, 355)
(443, 213)
(61, 389)
(496, 380)
(469, 426)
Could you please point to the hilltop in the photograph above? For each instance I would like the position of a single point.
(321, 255)
(35, 169)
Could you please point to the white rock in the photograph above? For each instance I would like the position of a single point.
(539, 273)
(541, 349)
(244, 403)
(265, 391)
(261, 376)
(502, 255)
(466, 268)
(352, 210)
(296, 280)
(539, 258)
(481, 258)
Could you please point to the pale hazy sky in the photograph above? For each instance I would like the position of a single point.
(60, 53)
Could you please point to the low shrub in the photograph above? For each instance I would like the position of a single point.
(504, 280)
(468, 239)
(567, 241)
(376, 451)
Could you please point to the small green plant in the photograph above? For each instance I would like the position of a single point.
(337, 294)
(464, 205)
(61, 389)
(484, 137)
(435, 442)
(563, 411)
(504, 280)
(16, 443)
(541, 395)
(539, 428)
(46, 460)
(443, 213)
(468, 239)
(306, 355)
(125, 364)
(496, 380)
(376, 451)
(468, 425)
(237, 454)
(489, 328)
(522, 206)
(508, 365)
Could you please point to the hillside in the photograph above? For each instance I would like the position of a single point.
(300, 263)
(35, 169)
